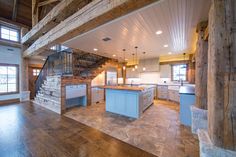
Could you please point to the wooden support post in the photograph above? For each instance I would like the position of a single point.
(24, 76)
(222, 74)
(14, 12)
(201, 68)
(35, 12)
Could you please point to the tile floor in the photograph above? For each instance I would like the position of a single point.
(158, 131)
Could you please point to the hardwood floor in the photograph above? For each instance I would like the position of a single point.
(28, 130)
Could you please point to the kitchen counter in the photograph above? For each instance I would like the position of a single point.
(187, 99)
(187, 90)
(131, 88)
(129, 101)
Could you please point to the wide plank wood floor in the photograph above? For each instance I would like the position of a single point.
(29, 130)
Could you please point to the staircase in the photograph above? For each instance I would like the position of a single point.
(77, 64)
(49, 94)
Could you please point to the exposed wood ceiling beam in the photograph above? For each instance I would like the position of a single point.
(47, 2)
(95, 14)
(13, 23)
(59, 13)
(14, 12)
(35, 16)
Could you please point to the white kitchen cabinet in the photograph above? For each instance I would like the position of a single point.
(162, 92)
(151, 65)
(97, 95)
(173, 95)
(165, 71)
(132, 74)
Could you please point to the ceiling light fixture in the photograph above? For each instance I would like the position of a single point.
(133, 69)
(95, 49)
(114, 55)
(124, 60)
(136, 53)
(158, 32)
(169, 53)
(165, 45)
(144, 68)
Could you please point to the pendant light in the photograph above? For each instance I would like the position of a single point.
(124, 60)
(136, 53)
(133, 69)
(144, 68)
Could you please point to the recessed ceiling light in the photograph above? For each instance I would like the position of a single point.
(43, 59)
(169, 53)
(158, 32)
(165, 45)
(113, 55)
(95, 49)
(126, 59)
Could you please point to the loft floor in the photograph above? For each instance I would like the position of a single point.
(157, 131)
(29, 130)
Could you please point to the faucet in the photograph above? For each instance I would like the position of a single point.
(181, 82)
(132, 82)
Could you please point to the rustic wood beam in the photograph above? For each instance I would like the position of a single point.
(35, 15)
(59, 13)
(14, 12)
(95, 14)
(13, 23)
(47, 2)
(201, 68)
(222, 74)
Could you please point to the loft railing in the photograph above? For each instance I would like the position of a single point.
(59, 64)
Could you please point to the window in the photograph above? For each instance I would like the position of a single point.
(8, 79)
(36, 72)
(53, 47)
(179, 72)
(9, 34)
(63, 47)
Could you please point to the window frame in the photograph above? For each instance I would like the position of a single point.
(13, 28)
(172, 71)
(17, 79)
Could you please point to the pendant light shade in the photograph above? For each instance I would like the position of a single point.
(124, 60)
(133, 69)
(136, 53)
(144, 68)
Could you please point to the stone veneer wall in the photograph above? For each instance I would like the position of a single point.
(199, 119)
(207, 149)
(49, 95)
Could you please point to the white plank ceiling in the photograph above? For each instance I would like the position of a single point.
(177, 19)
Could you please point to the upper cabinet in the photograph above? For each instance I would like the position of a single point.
(131, 74)
(165, 71)
(151, 65)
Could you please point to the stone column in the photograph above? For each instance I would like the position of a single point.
(24, 80)
(220, 140)
(199, 112)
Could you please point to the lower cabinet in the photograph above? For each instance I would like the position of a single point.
(173, 95)
(97, 95)
(168, 94)
(162, 92)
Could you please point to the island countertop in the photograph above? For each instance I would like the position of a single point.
(131, 88)
(190, 90)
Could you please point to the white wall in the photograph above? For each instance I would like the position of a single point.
(152, 77)
(10, 55)
(99, 80)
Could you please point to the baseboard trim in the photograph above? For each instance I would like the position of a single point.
(10, 101)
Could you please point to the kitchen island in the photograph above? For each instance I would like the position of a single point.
(129, 101)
